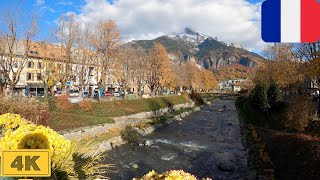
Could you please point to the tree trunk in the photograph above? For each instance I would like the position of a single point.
(45, 90)
(12, 85)
(3, 91)
(81, 91)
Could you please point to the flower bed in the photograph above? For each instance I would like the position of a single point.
(18, 133)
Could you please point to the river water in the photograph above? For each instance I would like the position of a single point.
(207, 144)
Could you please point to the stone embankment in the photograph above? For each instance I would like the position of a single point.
(120, 123)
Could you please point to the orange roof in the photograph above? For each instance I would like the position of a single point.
(47, 51)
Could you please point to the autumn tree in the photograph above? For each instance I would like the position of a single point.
(193, 79)
(180, 76)
(105, 40)
(282, 68)
(48, 71)
(141, 71)
(129, 57)
(16, 34)
(308, 55)
(208, 81)
(159, 68)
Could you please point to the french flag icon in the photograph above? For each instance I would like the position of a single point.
(291, 21)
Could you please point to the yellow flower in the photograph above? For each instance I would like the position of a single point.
(169, 175)
(179, 175)
(11, 121)
(31, 136)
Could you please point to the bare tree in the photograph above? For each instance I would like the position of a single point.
(17, 36)
(68, 34)
(141, 70)
(309, 57)
(85, 59)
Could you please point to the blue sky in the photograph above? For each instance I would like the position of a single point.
(141, 23)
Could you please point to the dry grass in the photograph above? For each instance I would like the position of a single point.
(29, 108)
(63, 103)
(86, 106)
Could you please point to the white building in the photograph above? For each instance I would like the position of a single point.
(231, 85)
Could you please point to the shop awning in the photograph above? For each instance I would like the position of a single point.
(20, 85)
(35, 85)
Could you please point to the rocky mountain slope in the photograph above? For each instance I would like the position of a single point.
(205, 50)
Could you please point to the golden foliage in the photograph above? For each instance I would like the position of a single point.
(160, 72)
(208, 80)
(283, 73)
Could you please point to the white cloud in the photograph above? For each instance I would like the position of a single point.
(40, 2)
(47, 8)
(64, 3)
(236, 21)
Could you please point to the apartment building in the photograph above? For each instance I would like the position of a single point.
(47, 66)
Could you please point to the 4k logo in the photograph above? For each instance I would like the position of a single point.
(30, 163)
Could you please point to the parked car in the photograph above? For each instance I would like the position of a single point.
(108, 93)
(85, 94)
(40, 94)
(96, 93)
(116, 94)
(58, 93)
(73, 93)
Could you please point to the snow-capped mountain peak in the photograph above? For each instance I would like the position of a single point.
(190, 36)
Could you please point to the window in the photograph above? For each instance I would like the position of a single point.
(90, 71)
(39, 77)
(34, 52)
(30, 64)
(39, 65)
(29, 77)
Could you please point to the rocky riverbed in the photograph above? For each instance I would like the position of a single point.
(207, 144)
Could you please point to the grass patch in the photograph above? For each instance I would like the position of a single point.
(65, 121)
(103, 112)
(100, 138)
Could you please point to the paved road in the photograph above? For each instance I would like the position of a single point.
(207, 143)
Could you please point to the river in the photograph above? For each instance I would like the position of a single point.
(207, 144)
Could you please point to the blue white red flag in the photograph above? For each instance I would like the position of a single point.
(291, 21)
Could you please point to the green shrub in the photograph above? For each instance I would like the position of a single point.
(274, 95)
(130, 135)
(259, 97)
(197, 98)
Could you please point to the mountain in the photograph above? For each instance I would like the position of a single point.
(206, 51)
